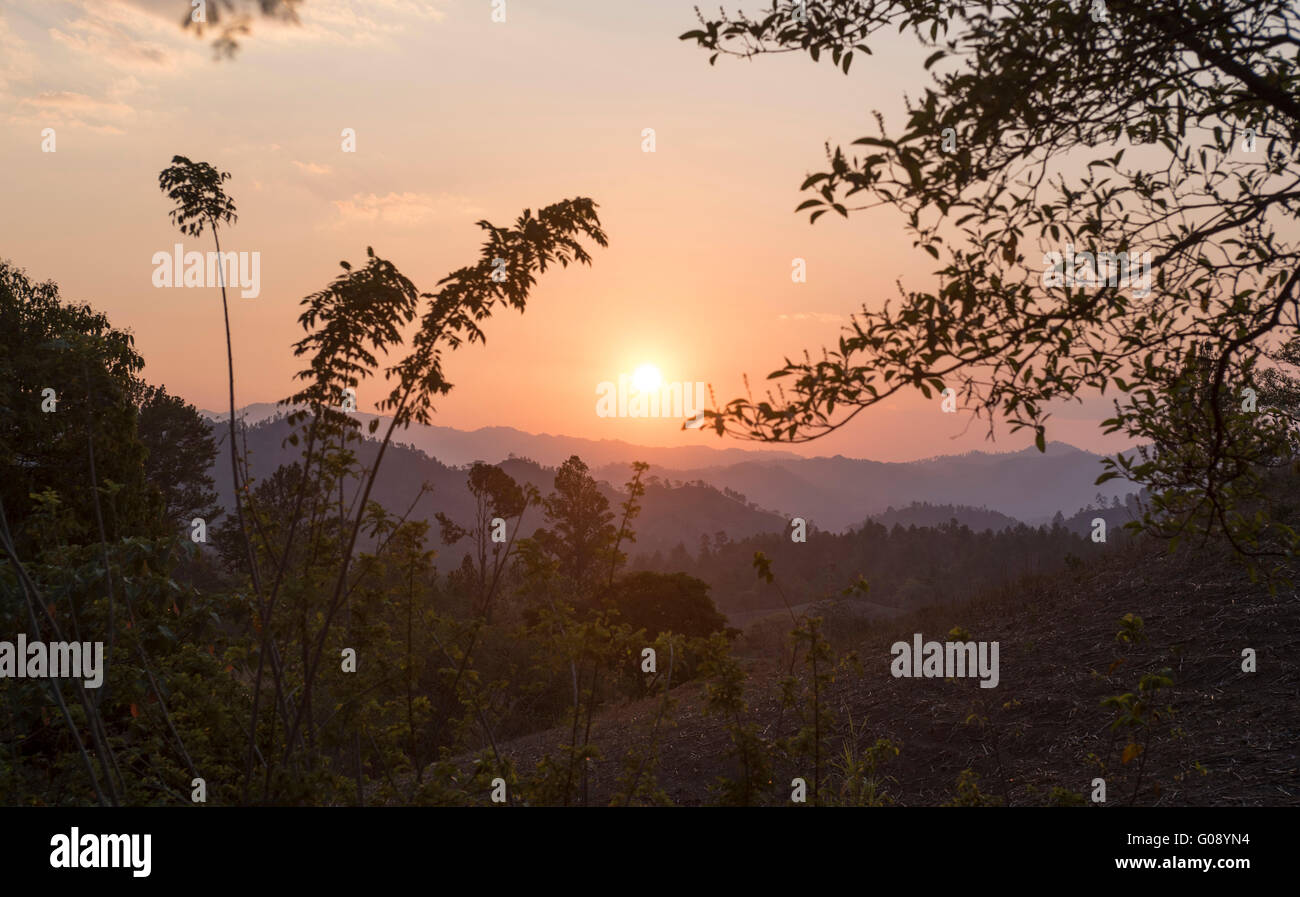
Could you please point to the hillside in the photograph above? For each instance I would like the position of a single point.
(670, 515)
(1230, 742)
(695, 528)
(834, 493)
(907, 567)
(925, 514)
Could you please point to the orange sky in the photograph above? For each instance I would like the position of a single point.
(460, 118)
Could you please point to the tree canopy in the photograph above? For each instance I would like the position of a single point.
(1091, 131)
(69, 383)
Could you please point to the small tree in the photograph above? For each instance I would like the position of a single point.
(201, 203)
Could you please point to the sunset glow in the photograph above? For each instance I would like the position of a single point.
(647, 378)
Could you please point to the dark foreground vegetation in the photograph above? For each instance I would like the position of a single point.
(308, 665)
(303, 647)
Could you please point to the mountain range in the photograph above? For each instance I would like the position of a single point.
(838, 492)
(701, 490)
(492, 444)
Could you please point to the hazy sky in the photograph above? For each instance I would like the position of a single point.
(459, 118)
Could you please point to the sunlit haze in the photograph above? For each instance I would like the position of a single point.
(697, 277)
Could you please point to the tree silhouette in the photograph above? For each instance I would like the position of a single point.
(181, 450)
(1019, 146)
(581, 526)
(201, 202)
(359, 316)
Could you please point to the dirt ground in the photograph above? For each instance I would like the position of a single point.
(1231, 741)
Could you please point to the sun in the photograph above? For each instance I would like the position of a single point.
(647, 378)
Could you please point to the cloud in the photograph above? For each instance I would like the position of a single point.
(401, 209)
(340, 22)
(77, 63)
(17, 62)
(65, 108)
(818, 316)
(124, 36)
(254, 147)
(123, 87)
(66, 99)
(311, 167)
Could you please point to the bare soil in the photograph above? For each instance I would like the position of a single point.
(1232, 739)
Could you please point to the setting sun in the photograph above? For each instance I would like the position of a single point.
(647, 378)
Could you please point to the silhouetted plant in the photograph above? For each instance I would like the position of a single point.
(201, 203)
(725, 697)
(1017, 87)
(349, 325)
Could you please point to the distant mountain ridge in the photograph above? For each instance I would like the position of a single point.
(669, 516)
(925, 514)
(832, 493)
(493, 444)
(838, 493)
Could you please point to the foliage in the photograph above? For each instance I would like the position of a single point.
(181, 450)
(907, 566)
(968, 793)
(1020, 145)
(92, 370)
(1137, 714)
(667, 602)
(749, 751)
(328, 660)
(858, 771)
